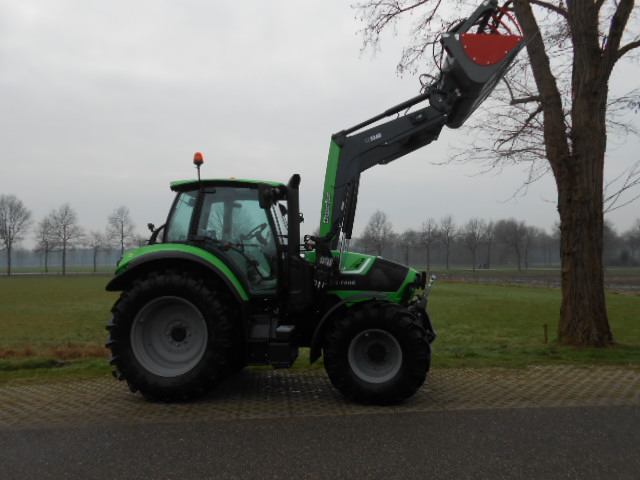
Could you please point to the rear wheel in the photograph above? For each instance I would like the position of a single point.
(170, 336)
(378, 353)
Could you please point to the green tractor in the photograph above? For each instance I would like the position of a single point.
(227, 282)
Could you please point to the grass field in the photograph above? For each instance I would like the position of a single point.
(504, 325)
(54, 326)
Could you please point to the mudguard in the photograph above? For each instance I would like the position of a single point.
(143, 259)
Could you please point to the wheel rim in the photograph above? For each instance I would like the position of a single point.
(169, 336)
(375, 356)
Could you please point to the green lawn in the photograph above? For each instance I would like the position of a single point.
(485, 325)
(39, 312)
(48, 322)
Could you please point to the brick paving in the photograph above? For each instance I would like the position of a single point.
(286, 393)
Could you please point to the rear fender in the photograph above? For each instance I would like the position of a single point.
(138, 262)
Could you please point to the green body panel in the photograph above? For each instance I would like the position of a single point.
(168, 248)
(359, 264)
(328, 193)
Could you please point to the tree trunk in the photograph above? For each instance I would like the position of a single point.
(8, 260)
(577, 167)
(583, 313)
(64, 257)
(488, 255)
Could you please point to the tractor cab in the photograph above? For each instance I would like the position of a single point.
(229, 219)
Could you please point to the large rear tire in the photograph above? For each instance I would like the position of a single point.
(170, 336)
(377, 354)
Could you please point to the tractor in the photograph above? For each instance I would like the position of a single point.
(228, 282)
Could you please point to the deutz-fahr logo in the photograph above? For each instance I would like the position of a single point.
(327, 208)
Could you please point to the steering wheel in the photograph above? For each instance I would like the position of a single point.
(257, 233)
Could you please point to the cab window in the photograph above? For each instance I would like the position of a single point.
(178, 225)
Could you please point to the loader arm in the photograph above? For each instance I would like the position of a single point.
(476, 61)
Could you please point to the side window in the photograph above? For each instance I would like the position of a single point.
(178, 225)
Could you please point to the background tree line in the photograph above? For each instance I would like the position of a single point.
(483, 243)
(59, 233)
(477, 243)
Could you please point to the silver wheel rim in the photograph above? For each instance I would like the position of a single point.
(375, 356)
(169, 336)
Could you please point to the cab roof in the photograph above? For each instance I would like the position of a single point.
(184, 185)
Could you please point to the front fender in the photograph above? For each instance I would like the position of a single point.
(141, 260)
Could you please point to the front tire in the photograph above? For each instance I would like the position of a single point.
(170, 336)
(377, 354)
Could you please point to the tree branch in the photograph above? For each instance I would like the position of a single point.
(521, 129)
(616, 29)
(532, 98)
(554, 8)
(598, 4)
(627, 48)
(556, 142)
(632, 180)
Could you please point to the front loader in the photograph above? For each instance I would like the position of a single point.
(227, 282)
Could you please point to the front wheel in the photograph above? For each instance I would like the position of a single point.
(378, 353)
(170, 336)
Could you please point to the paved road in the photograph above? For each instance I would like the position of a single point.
(539, 423)
(549, 443)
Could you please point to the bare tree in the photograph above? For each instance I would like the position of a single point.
(511, 233)
(15, 220)
(611, 243)
(428, 237)
(140, 240)
(120, 228)
(407, 240)
(560, 117)
(472, 235)
(530, 237)
(66, 231)
(45, 240)
(378, 233)
(96, 241)
(549, 245)
(488, 236)
(632, 240)
(446, 234)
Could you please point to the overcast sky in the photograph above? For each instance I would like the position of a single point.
(103, 103)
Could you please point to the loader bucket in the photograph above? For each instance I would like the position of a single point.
(476, 62)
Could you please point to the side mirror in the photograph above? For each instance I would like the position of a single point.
(265, 196)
